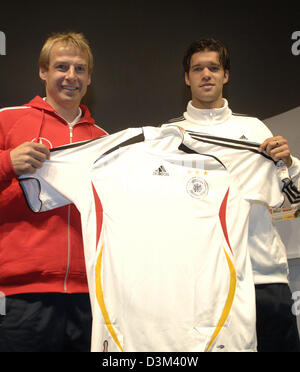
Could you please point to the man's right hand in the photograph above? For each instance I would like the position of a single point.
(29, 157)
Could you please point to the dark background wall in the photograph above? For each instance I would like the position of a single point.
(138, 48)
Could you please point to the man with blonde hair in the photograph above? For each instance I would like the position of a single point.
(42, 263)
(77, 40)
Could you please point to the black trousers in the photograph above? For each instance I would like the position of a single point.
(276, 325)
(46, 322)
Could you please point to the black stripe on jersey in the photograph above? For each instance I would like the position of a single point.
(130, 141)
(238, 114)
(292, 193)
(188, 150)
(229, 143)
(224, 139)
(174, 120)
(75, 144)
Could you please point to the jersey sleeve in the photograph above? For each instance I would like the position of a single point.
(255, 174)
(64, 178)
(40, 195)
(264, 184)
(54, 185)
(259, 180)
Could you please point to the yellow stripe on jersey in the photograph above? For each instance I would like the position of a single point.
(100, 299)
(228, 303)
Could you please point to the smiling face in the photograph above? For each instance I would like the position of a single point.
(206, 78)
(66, 78)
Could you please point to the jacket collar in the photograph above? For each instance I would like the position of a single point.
(207, 117)
(40, 104)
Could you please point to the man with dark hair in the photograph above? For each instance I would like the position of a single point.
(206, 64)
(208, 44)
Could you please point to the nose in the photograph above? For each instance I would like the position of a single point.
(206, 73)
(71, 73)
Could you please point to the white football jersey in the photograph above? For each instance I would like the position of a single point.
(165, 236)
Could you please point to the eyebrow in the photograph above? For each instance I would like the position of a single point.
(58, 62)
(205, 64)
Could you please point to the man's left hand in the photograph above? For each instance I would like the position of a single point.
(278, 148)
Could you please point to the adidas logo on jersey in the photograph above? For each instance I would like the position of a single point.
(243, 137)
(161, 171)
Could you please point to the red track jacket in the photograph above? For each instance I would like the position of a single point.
(39, 252)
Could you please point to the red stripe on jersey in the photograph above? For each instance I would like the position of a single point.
(222, 216)
(99, 214)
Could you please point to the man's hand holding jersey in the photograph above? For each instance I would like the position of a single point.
(28, 157)
(278, 148)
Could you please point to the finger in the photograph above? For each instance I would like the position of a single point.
(41, 148)
(265, 144)
(276, 155)
(32, 163)
(40, 156)
(273, 147)
(281, 152)
(37, 151)
(270, 143)
(34, 158)
(27, 167)
(35, 163)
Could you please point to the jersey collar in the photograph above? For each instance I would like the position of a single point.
(207, 117)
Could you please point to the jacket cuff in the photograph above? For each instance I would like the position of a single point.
(7, 171)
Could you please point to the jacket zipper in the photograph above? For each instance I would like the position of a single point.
(69, 251)
(69, 232)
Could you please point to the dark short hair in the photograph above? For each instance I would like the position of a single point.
(209, 44)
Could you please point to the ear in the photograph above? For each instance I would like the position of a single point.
(226, 76)
(186, 78)
(89, 80)
(43, 73)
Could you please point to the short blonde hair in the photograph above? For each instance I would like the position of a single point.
(68, 38)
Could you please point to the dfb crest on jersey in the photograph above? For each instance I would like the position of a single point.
(197, 187)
